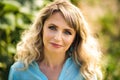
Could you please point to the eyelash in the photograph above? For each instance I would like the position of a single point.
(67, 33)
(52, 27)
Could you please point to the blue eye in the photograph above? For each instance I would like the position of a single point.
(52, 27)
(68, 33)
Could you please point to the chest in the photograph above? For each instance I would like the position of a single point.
(51, 74)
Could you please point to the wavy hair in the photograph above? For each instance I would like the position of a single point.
(85, 49)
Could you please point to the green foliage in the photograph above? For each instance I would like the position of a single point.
(12, 22)
(111, 34)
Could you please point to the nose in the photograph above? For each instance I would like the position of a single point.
(58, 36)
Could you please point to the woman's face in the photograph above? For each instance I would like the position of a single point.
(57, 34)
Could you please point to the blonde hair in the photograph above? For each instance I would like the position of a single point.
(85, 50)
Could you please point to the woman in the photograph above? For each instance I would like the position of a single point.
(58, 46)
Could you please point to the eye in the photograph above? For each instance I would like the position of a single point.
(68, 32)
(52, 27)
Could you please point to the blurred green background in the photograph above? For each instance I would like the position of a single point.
(102, 15)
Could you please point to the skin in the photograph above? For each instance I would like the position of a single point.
(57, 38)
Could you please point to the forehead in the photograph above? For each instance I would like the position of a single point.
(57, 19)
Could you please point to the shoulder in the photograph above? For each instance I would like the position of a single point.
(17, 65)
(13, 70)
(72, 65)
(20, 66)
(77, 72)
(72, 70)
(17, 70)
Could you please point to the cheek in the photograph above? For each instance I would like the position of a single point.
(47, 35)
(68, 41)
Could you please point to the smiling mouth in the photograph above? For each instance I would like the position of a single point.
(56, 45)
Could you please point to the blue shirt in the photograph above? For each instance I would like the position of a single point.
(70, 71)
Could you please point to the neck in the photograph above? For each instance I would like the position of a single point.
(53, 59)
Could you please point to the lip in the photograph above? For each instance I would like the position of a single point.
(56, 45)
